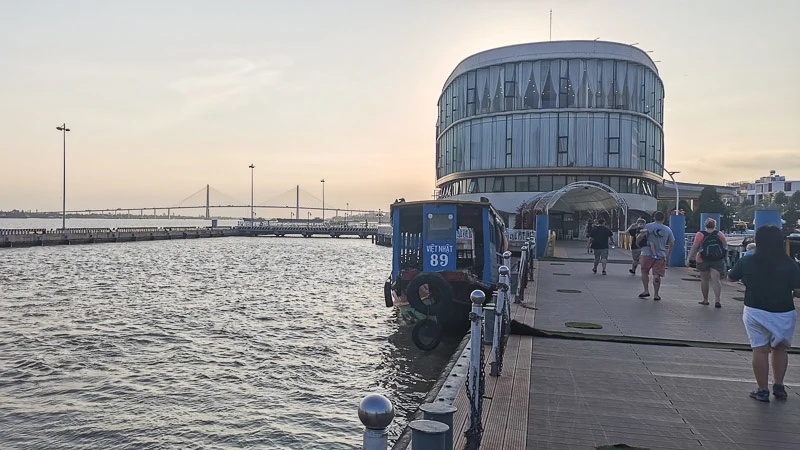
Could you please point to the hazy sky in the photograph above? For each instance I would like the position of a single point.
(165, 97)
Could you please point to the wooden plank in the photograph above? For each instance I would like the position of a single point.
(497, 421)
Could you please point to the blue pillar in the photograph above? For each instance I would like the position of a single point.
(678, 226)
(542, 233)
(768, 217)
(705, 216)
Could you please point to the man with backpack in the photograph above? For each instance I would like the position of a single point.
(636, 249)
(709, 249)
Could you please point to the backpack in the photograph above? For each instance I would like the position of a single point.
(712, 246)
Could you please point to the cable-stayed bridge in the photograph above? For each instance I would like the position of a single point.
(299, 203)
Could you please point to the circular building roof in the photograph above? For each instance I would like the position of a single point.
(553, 50)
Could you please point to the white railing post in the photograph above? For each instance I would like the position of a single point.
(499, 317)
(521, 272)
(475, 371)
(376, 413)
(507, 259)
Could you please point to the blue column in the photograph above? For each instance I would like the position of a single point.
(678, 226)
(542, 233)
(768, 217)
(705, 216)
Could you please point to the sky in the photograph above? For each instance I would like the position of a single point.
(163, 98)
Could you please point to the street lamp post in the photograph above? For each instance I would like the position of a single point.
(677, 192)
(252, 207)
(63, 129)
(323, 199)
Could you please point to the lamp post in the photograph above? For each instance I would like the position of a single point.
(63, 129)
(252, 208)
(677, 192)
(347, 213)
(323, 199)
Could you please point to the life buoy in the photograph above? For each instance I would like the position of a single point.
(387, 293)
(433, 335)
(441, 293)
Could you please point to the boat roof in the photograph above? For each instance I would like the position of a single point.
(447, 202)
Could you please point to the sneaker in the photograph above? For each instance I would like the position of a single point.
(633, 272)
(779, 391)
(761, 395)
(594, 270)
(604, 272)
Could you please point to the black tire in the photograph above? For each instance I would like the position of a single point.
(435, 339)
(387, 293)
(441, 293)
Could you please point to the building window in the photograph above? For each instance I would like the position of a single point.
(473, 186)
(497, 184)
(509, 146)
(549, 94)
(787, 187)
(545, 183)
(471, 93)
(533, 183)
(509, 184)
(769, 187)
(522, 184)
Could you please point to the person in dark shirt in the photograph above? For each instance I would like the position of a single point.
(598, 241)
(771, 279)
(636, 250)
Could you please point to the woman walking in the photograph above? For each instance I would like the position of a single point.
(771, 278)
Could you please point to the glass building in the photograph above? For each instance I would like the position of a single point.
(530, 118)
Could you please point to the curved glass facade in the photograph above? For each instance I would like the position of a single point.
(549, 113)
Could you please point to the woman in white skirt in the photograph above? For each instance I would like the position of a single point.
(771, 279)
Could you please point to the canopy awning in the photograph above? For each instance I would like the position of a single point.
(579, 196)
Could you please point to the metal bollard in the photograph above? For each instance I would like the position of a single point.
(376, 413)
(427, 435)
(502, 300)
(478, 298)
(488, 323)
(507, 259)
(444, 414)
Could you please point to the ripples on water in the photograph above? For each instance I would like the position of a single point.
(210, 343)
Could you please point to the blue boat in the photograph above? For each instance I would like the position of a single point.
(442, 251)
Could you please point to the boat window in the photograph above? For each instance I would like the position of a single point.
(440, 227)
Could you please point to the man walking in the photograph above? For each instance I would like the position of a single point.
(598, 241)
(655, 254)
(636, 250)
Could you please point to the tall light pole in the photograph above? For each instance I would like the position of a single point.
(347, 213)
(323, 199)
(677, 192)
(252, 190)
(63, 129)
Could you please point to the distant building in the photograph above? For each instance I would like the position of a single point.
(767, 187)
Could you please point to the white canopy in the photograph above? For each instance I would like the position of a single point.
(580, 196)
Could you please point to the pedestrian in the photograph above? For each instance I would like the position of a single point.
(655, 254)
(589, 227)
(636, 250)
(771, 279)
(750, 249)
(598, 241)
(709, 249)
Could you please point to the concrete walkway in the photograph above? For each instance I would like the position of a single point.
(588, 393)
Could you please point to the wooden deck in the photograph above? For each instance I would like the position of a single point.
(505, 402)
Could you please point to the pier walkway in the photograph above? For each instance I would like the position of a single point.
(660, 375)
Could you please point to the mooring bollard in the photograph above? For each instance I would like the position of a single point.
(499, 317)
(427, 435)
(488, 323)
(444, 414)
(507, 259)
(376, 413)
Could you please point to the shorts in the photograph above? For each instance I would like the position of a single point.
(705, 266)
(659, 265)
(764, 327)
(636, 253)
(601, 254)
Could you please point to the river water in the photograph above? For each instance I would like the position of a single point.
(210, 343)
